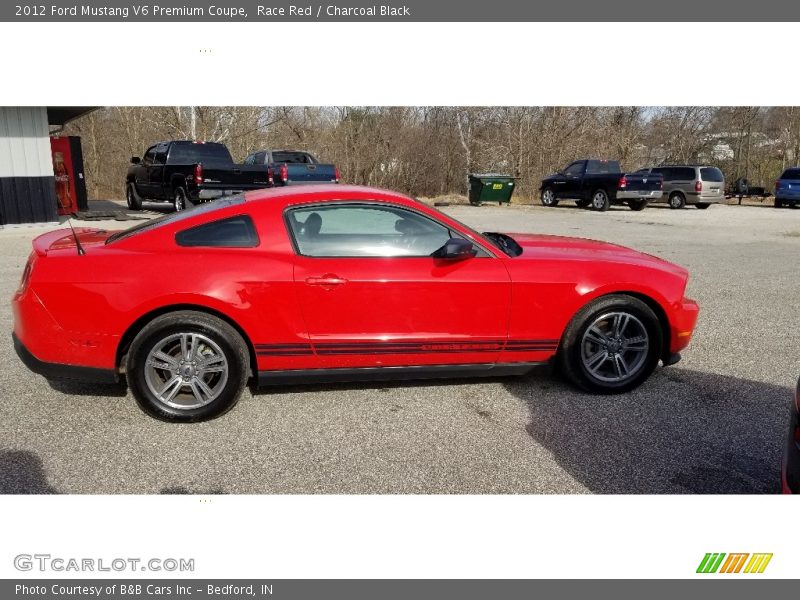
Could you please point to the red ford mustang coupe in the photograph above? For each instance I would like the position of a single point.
(337, 283)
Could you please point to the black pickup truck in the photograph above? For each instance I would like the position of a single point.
(599, 184)
(184, 173)
(294, 167)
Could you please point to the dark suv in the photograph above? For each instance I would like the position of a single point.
(787, 188)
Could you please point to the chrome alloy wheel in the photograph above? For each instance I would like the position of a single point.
(548, 196)
(599, 200)
(614, 347)
(186, 370)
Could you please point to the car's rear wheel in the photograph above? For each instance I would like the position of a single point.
(600, 201)
(549, 197)
(637, 205)
(778, 203)
(702, 205)
(611, 346)
(187, 366)
(132, 198)
(179, 199)
(677, 201)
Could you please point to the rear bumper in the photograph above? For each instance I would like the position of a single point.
(214, 194)
(638, 195)
(59, 371)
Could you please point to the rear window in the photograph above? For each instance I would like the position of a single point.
(603, 166)
(233, 232)
(176, 217)
(292, 157)
(190, 152)
(791, 174)
(711, 174)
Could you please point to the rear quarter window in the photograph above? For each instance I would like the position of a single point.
(711, 174)
(233, 232)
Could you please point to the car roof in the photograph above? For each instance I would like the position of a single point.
(328, 191)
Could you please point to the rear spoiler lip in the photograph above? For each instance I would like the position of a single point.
(42, 243)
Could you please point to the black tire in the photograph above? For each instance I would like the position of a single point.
(180, 201)
(702, 205)
(600, 201)
(132, 198)
(778, 203)
(637, 205)
(677, 201)
(208, 331)
(570, 359)
(582, 203)
(548, 197)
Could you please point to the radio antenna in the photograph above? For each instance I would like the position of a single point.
(81, 251)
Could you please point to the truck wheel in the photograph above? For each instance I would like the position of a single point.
(132, 198)
(677, 201)
(549, 197)
(778, 203)
(179, 199)
(702, 205)
(637, 205)
(611, 345)
(600, 201)
(187, 366)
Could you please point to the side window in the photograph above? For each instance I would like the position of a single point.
(260, 158)
(249, 160)
(364, 230)
(149, 156)
(574, 170)
(686, 174)
(233, 232)
(161, 154)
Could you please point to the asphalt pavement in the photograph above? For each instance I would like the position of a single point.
(714, 423)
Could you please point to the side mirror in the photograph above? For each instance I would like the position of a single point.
(135, 160)
(456, 249)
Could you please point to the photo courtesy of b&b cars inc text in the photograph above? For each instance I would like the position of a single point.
(402, 300)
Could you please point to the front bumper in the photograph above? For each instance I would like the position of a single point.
(60, 371)
(639, 195)
(682, 322)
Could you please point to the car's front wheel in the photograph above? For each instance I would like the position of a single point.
(187, 366)
(611, 346)
(549, 197)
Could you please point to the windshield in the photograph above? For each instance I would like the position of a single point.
(175, 217)
(505, 243)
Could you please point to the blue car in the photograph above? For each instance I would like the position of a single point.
(787, 188)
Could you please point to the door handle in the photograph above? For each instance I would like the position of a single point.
(326, 280)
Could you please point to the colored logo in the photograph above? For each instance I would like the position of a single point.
(741, 562)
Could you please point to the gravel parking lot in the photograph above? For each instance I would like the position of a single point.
(714, 423)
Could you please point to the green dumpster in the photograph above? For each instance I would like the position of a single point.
(490, 187)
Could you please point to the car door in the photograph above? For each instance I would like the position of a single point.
(142, 173)
(573, 178)
(157, 171)
(371, 294)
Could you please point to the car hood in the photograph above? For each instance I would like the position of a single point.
(536, 246)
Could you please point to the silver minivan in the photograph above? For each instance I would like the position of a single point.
(701, 185)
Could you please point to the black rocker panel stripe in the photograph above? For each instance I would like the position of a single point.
(329, 349)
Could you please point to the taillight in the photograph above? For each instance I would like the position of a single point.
(337, 175)
(623, 183)
(698, 186)
(270, 176)
(26, 276)
(777, 185)
(198, 173)
(284, 173)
